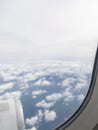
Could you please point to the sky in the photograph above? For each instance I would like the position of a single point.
(47, 29)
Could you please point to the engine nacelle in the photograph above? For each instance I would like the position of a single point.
(11, 115)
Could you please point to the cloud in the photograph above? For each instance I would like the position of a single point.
(38, 92)
(42, 82)
(33, 128)
(44, 104)
(34, 121)
(46, 115)
(68, 81)
(38, 82)
(25, 78)
(45, 83)
(7, 76)
(81, 85)
(40, 72)
(51, 99)
(54, 97)
(68, 96)
(50, 115)
(15, 94)
(23, 85)
(6, 87)
(29, 77)
(80, 97)
(71, 79)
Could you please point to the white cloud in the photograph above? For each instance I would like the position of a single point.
(39, 72)
(68, 96)
(45, 83)
(26, 93)
(24, 79)
(44, 104)
(7, 76)
(38, 92)
(50, 115)
(28, 77)
(42, 82)
(33, 128)
(81, 85)
(37, 83)
(23, 85)
(51, 99)
(68, 81)
(54, 97)
(15, 94)
(34, 121)
(80, 97)
(6, 87)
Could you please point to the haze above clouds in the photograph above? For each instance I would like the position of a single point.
(46, 29)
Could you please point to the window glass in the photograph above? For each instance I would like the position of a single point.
(47, 52)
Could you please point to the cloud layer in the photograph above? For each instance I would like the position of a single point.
(46, 89)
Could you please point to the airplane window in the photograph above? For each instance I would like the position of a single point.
(47, 53)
